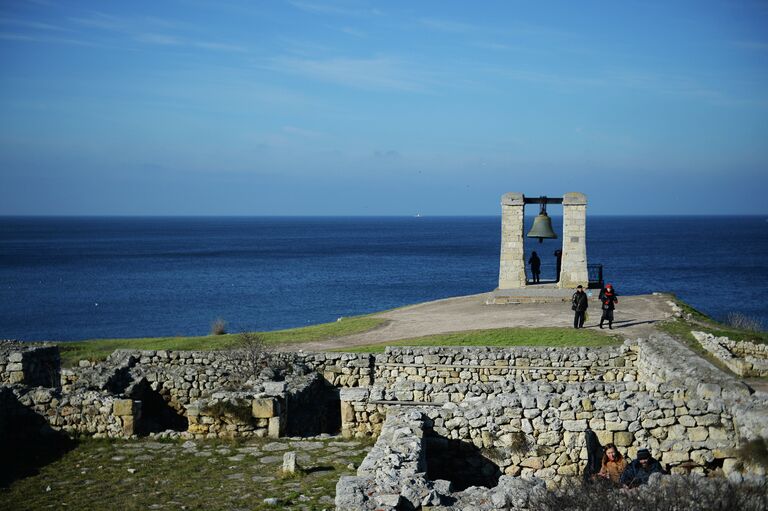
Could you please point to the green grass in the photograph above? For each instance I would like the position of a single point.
(546, 337)
(99, 349)
(681, 328)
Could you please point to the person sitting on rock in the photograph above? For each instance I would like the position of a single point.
(613, 465)
(639, 471)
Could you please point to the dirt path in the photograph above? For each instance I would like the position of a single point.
(635, 317)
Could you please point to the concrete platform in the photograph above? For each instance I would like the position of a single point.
(547, 292)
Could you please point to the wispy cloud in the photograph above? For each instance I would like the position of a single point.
(377, 73)
(172, 40)
(450, 26)
(752, 45)
(334, 8)
(33, 25)
(34, 38)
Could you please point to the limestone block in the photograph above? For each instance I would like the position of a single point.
(623, 438)
(674, 457)
(534, 462)
(548, 438)
(289, 463)
(123, 407)
(129, 425)
(264, 408)
(709, 419)
(575, 425)
(273, 430)
(605, 437)
(698, 434)
(676, 432)
(718, 434)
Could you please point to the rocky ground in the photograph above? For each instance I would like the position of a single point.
(179, 475)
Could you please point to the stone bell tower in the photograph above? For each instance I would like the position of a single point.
(574, 258)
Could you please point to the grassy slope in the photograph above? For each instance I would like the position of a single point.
(99, 349)
(558, 337)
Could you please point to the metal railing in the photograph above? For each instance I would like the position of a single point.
(595, 274)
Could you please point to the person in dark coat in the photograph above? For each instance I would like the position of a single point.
(579, 304)
(608, 301)
(639, 471)
(535, 263)
(559, 257)
(594, 454)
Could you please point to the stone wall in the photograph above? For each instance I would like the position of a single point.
(30, 364)
(445, 366)
(537, 429)
(83, 412)
(399, 472)
(743, 358)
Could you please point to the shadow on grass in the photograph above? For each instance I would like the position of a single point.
(29, 445)
(312, 470)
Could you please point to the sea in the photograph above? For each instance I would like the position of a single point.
(74, 278)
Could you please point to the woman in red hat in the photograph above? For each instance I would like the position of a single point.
(608, 300)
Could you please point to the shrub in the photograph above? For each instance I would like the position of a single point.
(219, 327)
(678, 493)
(744, 322)
(755, 452)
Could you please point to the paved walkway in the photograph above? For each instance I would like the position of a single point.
(635, 317)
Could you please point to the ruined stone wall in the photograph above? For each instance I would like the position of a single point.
(400, 473)
(82, 412)
(30, 364)
(538, 428)
(743, 358)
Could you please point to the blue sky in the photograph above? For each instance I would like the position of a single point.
(302, 107)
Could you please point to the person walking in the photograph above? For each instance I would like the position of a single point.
(608, 301)
(535, 263)
(579, 304)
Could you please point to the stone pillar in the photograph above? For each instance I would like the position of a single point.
(129, 412)
(512, 263)
(574, 266)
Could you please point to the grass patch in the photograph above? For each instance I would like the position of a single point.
(500, 337)
(681, 328)
(99, 349)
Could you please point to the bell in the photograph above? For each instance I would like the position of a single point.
(542, 225)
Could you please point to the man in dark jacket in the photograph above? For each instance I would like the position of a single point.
(579, 305)
(639, 471)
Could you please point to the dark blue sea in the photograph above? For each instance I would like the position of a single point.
(83, 278)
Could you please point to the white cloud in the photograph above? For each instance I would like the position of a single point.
(378, 73)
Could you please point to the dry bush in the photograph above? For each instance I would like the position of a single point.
(671, 493)
(219, 327)
(744, 322)
(251, 349)
(755, 452)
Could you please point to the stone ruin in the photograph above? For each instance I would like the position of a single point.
(744, 358)
(483, 428)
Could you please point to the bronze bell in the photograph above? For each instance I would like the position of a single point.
(542, 224)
